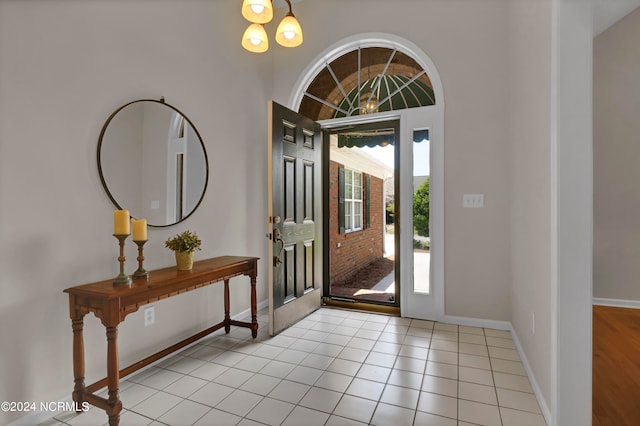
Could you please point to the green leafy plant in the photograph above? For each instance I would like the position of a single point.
(421, 209)
(186, 241)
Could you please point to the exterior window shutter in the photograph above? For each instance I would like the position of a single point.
(367, 202)
(341, 200)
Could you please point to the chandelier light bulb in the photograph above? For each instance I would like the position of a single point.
(289, 32)
(255, 39)
(257, 11)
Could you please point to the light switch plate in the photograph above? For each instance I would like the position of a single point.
(473, 201)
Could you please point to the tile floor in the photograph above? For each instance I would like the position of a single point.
(335, 367)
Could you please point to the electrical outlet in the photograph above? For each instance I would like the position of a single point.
(533, 323)
(149, 316)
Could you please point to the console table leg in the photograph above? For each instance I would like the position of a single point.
(113, 377)
(227, 317)
(77, 324)
(254, 308)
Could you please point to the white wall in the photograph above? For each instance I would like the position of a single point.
(530, 139)
(467, 41)
(616, 151)
(65, 65)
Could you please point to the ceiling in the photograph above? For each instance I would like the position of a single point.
(608, 12)
(605, 12)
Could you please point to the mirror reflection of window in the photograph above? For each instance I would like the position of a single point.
(136, 141)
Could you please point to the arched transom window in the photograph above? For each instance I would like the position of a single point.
(367, 80)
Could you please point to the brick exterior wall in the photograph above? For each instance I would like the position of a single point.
(359, 248)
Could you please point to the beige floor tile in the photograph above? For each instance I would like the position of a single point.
(474, 361)
(442, 370)
(239, 402)
(386, 414)
(505, 334)
(156, 405)
(354, 408)
(512, 381)
(478, 413)
(500, 342)
(512, 417)
(217, 417)
(365, 389)
(321, 399)
(476, 339)
(433, 420)
(473, 349)
(471, 330)
(440, 385)
(401, 396)
(440, 405)
(518, 400)
(334, 381)
(306, 416)
(335, 367)
(506, 366)
(503, 353)
(476, 375)
(410, 364)
(445, 357)
(289, 391)
(185, 413)
(271, 411)
(477, 393)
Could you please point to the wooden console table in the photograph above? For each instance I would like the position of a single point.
(112, 304)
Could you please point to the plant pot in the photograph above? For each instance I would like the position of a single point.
(184, 260)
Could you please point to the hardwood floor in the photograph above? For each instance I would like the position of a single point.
(616, 366)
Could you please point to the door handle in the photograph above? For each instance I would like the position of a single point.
(277, 238)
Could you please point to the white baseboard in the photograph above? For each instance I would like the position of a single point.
(544, 407)
(618, 303)
(477, 322)
(37, 417)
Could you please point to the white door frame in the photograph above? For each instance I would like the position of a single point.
(416, 305)
(412, 304)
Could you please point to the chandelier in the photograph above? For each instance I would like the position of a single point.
(260, 12)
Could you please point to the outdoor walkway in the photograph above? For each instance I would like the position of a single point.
(385, 289)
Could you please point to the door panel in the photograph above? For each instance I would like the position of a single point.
(295, 217)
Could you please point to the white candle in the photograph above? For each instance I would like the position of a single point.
(121, 224)
(139, 229)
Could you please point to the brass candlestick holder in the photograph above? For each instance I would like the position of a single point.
(122, 279)
(140, 272)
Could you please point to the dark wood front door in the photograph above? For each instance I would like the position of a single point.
(295, 209)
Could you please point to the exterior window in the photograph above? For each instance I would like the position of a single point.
(352, 200)
(367, 80)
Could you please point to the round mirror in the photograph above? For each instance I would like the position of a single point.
(152, 162)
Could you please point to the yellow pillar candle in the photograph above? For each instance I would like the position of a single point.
(121, 224)
(139, 229)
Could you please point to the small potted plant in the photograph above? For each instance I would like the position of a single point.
(184, 245)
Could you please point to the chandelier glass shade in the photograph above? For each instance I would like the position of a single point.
(255, 39)
(289, 32)
(257, 11)
(260, 12)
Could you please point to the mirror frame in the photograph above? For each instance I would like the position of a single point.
(104, 183)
